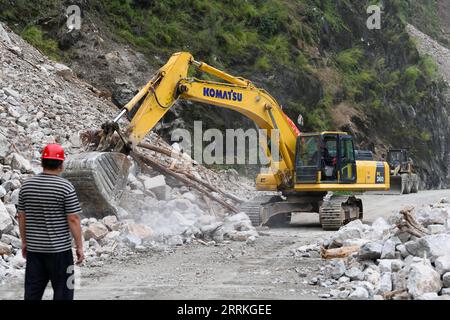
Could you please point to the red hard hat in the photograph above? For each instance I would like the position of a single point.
(53, 151)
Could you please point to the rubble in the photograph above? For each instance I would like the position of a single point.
(43, 102)
(405, 257)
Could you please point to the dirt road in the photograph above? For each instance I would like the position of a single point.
(265, 269)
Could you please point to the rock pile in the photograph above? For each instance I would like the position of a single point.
(392, 262)
(43, 102)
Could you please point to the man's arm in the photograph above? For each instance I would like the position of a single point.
(75, 228)
(21, 219)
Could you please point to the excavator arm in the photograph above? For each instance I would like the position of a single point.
(171, 83)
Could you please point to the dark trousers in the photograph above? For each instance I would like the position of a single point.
(58, 268)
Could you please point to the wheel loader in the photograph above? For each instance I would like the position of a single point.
(306, 172)
(403, 178)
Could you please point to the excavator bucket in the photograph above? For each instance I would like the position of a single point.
(99, 179)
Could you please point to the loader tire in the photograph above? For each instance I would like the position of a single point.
(406, 184)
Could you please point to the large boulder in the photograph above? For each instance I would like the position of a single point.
(422, 278)
(433, 246)
(9, 239)
(158, 186)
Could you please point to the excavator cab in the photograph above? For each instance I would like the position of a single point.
(325, 157)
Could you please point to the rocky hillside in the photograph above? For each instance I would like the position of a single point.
(317, 57)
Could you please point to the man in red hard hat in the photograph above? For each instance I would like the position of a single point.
(48, 218)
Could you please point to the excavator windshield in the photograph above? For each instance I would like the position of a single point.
(308, 158)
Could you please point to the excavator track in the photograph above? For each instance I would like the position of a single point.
(336, 211)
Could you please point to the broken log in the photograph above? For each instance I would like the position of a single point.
(154, 164)
(342, 252)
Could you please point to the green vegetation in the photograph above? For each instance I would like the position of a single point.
(34, 35)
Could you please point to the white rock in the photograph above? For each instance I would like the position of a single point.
(96, 231)
(5, 249)
(359, 293)
(399, 280)
(337, 268)
(4, 36)
(372, 276)
(18, 261)
(11, 92)
(190, 196)
(352, 230)
(428, 216)
(111, 223)
(446, 280)
(422, 278)
(428, 296)
(6, 223)
(355, 274)
(436, 228)
(175, 241)
(139, 231)
(370, 251)
(15, 196)
(381, 225)
(385, 284)
(433, 246)
(158, 186)
(442, 264)
(445, 291)
(20, 163)
(4, 146)
(9, 239)
(2, 192)
(113, 235)
(388, 251)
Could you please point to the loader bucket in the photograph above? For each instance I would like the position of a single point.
(99, 179)
(395, 188)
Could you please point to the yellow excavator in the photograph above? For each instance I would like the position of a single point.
(314, 172)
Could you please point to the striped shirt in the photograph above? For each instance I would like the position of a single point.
(47, 200)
